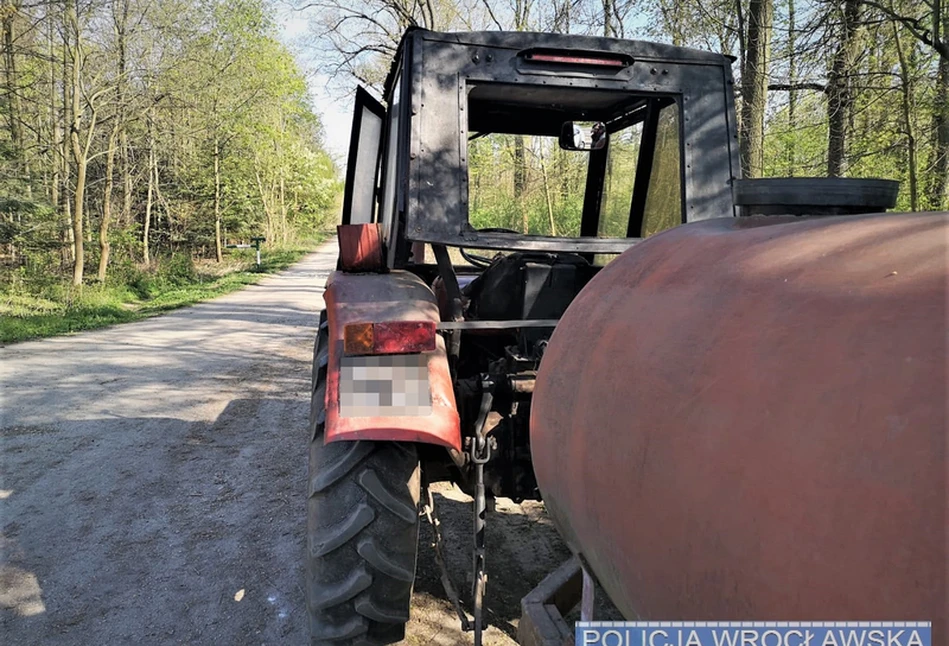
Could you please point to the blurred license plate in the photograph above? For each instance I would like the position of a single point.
(387, 385)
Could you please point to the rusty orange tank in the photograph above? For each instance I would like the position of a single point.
(746, 419)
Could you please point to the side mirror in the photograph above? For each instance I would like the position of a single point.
(575, 135)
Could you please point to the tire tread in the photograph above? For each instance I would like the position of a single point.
(362, 530)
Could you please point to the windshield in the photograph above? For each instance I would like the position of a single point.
(521, 180)
(526, 184)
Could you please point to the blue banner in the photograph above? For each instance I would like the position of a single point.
(753, 633)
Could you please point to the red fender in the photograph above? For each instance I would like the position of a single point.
(377, 298)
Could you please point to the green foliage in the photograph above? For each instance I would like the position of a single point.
(167, 273)
(209, 98)
(59, 308)
(501, 197)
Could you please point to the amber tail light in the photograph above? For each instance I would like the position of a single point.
(394, 337)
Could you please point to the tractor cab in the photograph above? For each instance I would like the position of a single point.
(522, 163)
(666, 151)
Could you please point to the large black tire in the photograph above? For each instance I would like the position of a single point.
(362, 530)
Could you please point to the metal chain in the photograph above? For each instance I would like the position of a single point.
(428, 507)
(480, 453)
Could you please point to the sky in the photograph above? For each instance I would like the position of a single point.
(333, 107)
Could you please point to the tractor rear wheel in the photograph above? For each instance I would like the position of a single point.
(362, 530)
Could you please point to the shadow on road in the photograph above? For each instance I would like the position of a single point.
(119, 529)
(115, 530)
(523, 547)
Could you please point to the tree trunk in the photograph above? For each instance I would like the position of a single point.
(77, 215)
(792, 93)
(268, 212)
(121, 24)
(608, 29)
(149, 195)
(521, 21)
(939, 158)
(64, 147)
(55, 127)
(126, 177)
(67, 213)
(522, 10)
(79, 156)
(520, 181)
(104, 246)
(562, 17)
(754, 86)
(283, 208)
(840, 97)
(14, 109)
(672, 14)
(906, 95)
(160, 199)
(550, 208)
(562, 172)
(218, 247)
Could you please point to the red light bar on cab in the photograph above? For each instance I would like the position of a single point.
(394, 337)
(596, 61)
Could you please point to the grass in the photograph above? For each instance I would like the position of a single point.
(60, 309)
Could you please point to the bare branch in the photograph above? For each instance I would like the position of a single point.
(494, 19)
(795, 87)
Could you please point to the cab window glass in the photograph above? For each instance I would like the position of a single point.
(392, 155)
(525, 183)
(664, 200)
(622, 156)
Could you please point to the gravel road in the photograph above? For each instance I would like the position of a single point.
(153, 478)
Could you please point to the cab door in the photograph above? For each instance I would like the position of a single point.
(362, 167)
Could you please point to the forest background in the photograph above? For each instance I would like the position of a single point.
(138, 138)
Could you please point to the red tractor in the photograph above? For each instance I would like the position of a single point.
(425, 371)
